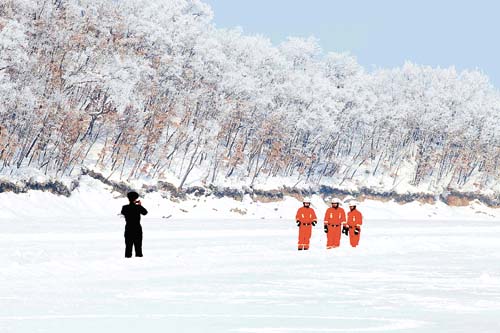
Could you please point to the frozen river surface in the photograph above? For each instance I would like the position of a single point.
(247, 276)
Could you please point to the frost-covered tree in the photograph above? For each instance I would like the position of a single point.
(153, 89)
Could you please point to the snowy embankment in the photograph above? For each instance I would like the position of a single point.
(92, 198)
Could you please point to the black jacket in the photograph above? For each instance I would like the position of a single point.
(132, 213)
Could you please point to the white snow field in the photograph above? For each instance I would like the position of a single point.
(209, 275)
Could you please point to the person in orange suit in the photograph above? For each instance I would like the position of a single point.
(354, 222)
(306, 219)
(334, 220)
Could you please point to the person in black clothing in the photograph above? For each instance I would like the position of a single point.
(133, 229)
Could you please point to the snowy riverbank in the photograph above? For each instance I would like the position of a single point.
(92, 198)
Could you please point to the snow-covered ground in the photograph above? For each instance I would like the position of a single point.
(216, 275)
(219, 265)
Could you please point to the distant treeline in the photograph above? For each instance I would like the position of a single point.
(152, 89)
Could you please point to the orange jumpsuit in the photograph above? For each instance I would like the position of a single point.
(354, 221)
(306, 216)
(334, 218)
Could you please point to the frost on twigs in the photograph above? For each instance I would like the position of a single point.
(151, 92)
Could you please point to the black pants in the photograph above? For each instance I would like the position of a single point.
(133, 238)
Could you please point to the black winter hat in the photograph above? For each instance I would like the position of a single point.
(132, 196)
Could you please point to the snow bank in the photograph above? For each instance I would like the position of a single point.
(95, 199)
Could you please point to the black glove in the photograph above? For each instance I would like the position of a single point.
(314, 223)
(345, 230)
(356, 231)
(298, 223)
(326, 228)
